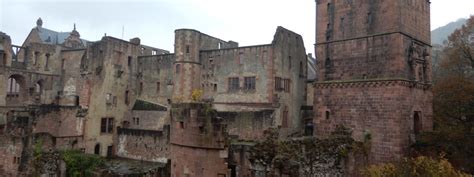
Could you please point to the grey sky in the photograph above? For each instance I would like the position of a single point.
(249, 22)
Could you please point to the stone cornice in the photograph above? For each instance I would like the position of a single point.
(372, 83)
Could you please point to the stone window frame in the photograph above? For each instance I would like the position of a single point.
(233, 84)
(250, 83)
(107, 125)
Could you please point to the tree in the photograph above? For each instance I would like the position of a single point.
(453, 102)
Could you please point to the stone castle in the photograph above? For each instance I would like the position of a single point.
(178, 111)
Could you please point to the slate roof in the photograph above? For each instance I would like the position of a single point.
(141, 105)
(53, 37)
(311, 68)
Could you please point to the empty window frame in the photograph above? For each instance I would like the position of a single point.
(233, 84)
(249, 83)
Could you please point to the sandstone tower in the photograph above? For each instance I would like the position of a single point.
(374, 72)
(187, 67)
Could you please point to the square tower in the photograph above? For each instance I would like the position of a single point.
(374, 72)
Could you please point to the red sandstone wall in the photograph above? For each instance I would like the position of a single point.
(383, 109)
(10, 153)
(198, 162)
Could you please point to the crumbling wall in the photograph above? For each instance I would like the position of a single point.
(247, 125)
(10, 155)
(146, 145)
(197, 141)
(155, 76)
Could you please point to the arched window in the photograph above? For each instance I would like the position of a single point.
(38, 88)
(417, 124)
(13, 86)
(178, 68)
(97, 149)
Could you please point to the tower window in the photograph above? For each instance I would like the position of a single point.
(178, 68)
(328, 115)
(417, 123)
(187, 48)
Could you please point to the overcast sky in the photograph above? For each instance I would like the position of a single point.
(249, 22)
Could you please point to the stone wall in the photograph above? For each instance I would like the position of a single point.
(10, 155)
(383, 109)
(374, 72)
(147, 145)
(197, 141)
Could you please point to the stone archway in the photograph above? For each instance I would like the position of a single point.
(16, 89)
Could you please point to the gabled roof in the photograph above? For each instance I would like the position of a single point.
(141, 105)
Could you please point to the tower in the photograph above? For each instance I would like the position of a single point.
(187, 67)
(374, 72)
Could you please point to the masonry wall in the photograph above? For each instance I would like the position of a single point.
(247, 125)
(368, 108)
(109, 74)
(62, 126)
(197, 142)
(147, 145)
(10, 155)
(148, 120)
(220, 65)
(156, 75)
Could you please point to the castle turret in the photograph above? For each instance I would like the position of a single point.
(374, 72)
(187, 67)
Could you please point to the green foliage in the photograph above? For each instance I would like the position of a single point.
(415, 167)
(196, 94)
(453, 103)
(79, 164)
(37, 151)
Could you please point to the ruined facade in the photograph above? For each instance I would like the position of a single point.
(374, 72)
(115, 98)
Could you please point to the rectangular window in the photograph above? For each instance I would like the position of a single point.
(187, 48)
(158, 87)
(36, 57)
(103, 125)
(140, 88)
(278, 86)
(286, 85)
(107, 125)
(234, 84)
(215, 87)
(249, 83)
(47, 61)
(63, 62)
(108, 98)
(127, 101)
(289, 62)
(129, 62)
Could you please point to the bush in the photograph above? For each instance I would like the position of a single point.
(415, 167)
